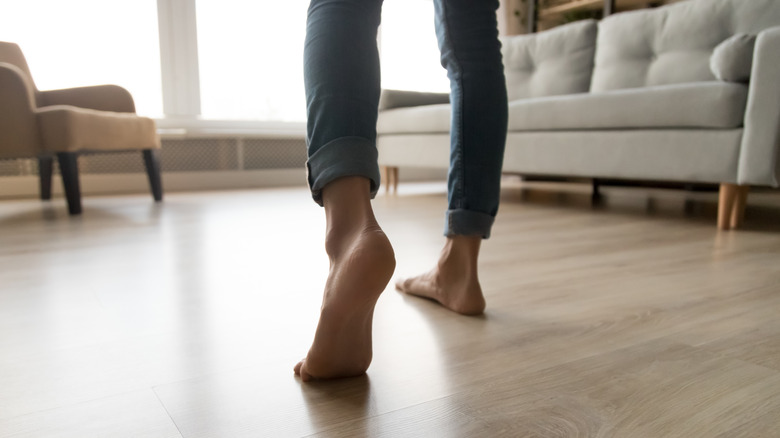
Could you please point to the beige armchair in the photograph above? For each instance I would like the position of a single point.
(65, 123)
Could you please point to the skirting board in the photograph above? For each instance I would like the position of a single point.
(124, 183)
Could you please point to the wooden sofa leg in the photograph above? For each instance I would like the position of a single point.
(384, 175)
(389, 175)
(738, 210)
(69, 169)
(728, 193)
(731, 205)
(45, 170)
(152, 164)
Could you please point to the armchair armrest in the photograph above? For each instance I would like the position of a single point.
(18, 128)
(390, 99)
(759, 157)
(100, 97)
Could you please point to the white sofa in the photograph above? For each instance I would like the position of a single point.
(666, 94)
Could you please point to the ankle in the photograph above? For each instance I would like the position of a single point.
(348, 211)
(347, 199)
(460, 254)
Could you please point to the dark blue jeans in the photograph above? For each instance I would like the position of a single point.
(341, 71)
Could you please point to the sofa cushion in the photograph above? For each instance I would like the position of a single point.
(732, 59)
(554, 62)
(697, 105)
(416, 119)
(66, 128)
(672, 44)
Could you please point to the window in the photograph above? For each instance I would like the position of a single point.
(251, 59)
(251, 55)
(250, 52)
(89, 42)
(409, 51)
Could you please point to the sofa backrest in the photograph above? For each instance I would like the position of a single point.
(558, 61)
(672, 44)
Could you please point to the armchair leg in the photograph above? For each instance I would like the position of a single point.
(152, 164)
(69, 168)
(45, 170)
(595, 194)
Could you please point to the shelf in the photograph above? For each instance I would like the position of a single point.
(591, 5)
(571, 6)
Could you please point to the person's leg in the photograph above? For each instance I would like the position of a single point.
(341, 75)
(470, 51)
(341, 70)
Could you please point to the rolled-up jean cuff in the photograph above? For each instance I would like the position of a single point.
(468, 223)
(345, 156)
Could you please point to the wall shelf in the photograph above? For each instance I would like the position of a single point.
(571, 6)
(584, 5)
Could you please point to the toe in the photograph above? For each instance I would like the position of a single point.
(305, 376)
(300, 370)
(400, 284)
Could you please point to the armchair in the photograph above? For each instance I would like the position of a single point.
(65, 123)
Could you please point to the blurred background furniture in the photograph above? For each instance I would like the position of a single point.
(688, 92)
(65, 123)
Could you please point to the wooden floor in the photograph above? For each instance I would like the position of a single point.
(633, 318)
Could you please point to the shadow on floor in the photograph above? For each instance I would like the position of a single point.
(49, 214)
(762, 213)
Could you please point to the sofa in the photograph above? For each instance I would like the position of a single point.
(688, 92)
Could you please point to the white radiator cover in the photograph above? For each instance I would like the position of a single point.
(188, 164)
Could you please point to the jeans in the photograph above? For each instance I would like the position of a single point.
(341, 72)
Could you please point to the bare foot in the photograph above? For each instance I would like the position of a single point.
(361, 264)
(453, 283)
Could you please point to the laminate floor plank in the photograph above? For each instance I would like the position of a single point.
(660, 388)
(138, 414)
(634, 317)
(440, 417)
(765, 426)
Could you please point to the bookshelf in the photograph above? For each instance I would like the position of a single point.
(545, 14)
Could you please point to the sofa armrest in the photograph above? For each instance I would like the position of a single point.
(759, 157)
(18, 128)
(101, 97)
(390, 99)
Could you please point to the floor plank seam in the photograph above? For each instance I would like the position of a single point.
(162, 405)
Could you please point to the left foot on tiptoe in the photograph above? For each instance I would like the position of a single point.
(361, 264)
(342, 343)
